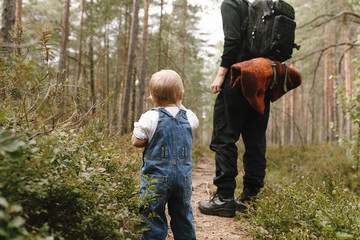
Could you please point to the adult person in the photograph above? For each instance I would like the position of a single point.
(233, 116)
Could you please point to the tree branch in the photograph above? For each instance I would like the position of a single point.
(331, 17)
(352, 44)
(336, 16)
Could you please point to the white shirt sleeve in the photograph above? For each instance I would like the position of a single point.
(192, 118)
(144, 129)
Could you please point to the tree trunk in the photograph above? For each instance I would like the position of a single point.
(327, 80)
(125, 57)
(108, 115)
(169, 39)
(159, 35)
(116, 102)
(18, 12)
(142, 81)
(92, 73)
(64, 41)
(334, 85)
(130, 66)
(293, 113)
(184, 39)
(78, 92)
(91, 60)
(18, 17)
(347, 66)
(80, 39)
(7, 22)
(133, 102)
(287, 118)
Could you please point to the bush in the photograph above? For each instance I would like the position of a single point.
(12, 224)
(81, 185)
(306, 208)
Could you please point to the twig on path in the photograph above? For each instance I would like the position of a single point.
(207, 189)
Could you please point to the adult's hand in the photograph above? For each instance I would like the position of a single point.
(216, 85)
(219, 79)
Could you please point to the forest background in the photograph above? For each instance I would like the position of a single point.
(73, 79)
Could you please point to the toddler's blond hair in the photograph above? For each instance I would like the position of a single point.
(165, 87)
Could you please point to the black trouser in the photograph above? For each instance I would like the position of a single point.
(233, 116)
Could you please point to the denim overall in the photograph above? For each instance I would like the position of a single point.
(166, 178)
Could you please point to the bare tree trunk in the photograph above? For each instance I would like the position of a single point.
(293, 115)
(303, 115)
(334, 105)
(184, 39)
(286, 118)
(313, 120)
(18, 12)
(63, 54)
(92, 73)
(142, 81)
(133, 102)
(329, 101)
(64, 42)
(347, 66)
(7, 22)
(130, 66)
(327, 79)
(80, 38)
(116, 102)
(108, 115)
(92, 65)
(292, 111)
(78, 92)
(18, 17)
(125, 57)
(169, 39)
(159, 35)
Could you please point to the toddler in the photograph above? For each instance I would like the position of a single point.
(166, 133)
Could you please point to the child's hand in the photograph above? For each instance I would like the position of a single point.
(139, 143)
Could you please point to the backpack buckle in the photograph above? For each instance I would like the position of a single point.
(273, 65)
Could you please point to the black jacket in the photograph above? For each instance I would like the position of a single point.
(234, 13)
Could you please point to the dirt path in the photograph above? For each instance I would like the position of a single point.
(211, 227)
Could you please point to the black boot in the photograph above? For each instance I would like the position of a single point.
(247, 197)
(223, 207)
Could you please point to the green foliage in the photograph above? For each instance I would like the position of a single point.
(72, 181)
(80, 184)
(12, 224)
(351, 105)
(307, 195)
(306, 208)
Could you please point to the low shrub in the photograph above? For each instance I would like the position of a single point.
(78, 183)
(306, 208)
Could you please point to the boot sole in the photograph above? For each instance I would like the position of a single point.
(221, 212)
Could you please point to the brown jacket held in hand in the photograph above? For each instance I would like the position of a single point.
(255, 76)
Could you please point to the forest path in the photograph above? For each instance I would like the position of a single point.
(210, 227)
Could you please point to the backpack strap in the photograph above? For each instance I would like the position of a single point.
(285, 80)
(273, 65)
(243, 31)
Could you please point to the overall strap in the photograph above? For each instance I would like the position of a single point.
(161, 111)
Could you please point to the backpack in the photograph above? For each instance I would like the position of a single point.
(270, 30)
